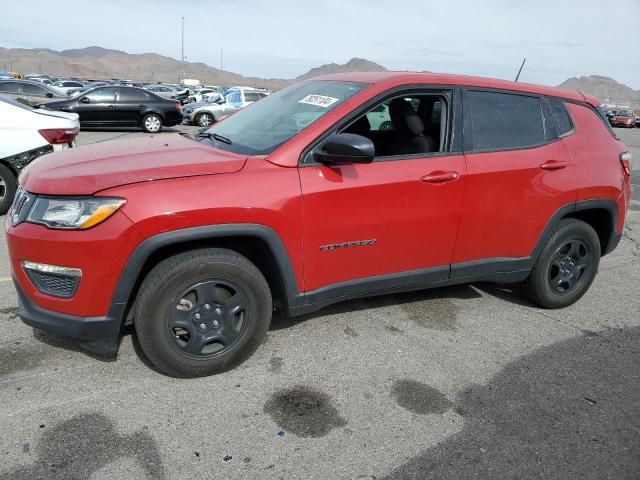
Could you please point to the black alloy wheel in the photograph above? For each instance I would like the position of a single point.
(208, 318)
(568, 266)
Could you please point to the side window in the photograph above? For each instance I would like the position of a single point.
(406, 125)
(29, 89)
(98, 95)
(9, 87)
(505, 120)
(251, 96)
(561, 115)
(132, 95)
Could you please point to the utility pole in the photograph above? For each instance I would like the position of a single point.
(182, 72)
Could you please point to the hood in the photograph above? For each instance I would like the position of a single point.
(89, 169)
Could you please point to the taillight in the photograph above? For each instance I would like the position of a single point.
(57, 136)
(178, 107)
(625, 160)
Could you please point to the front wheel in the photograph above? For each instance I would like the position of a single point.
(152, 123)
(566, 266)
(8, 187)
(204, 119)
(202, 312)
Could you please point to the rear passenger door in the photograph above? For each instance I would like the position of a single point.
(131, 103)
(519, 174)
(35, 94)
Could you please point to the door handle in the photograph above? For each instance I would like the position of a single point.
(110, 106)
(440, 177)
(142, 105)
(553, 165)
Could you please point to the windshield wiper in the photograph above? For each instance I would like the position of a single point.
(215, 136)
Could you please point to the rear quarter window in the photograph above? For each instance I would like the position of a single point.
(564, 124)
(505, 120)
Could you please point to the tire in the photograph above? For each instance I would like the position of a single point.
(566, 266)
(187, 336)
(8, 187)
(152, 123)
(204, 119)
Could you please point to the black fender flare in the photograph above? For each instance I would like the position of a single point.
(130, 273)
(599, 203)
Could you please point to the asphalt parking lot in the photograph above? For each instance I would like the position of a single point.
(458, 382)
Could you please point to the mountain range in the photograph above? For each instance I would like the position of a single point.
(98, 62)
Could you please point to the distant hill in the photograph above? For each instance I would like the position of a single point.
(604, 88)
(103, 63)
(353, 65)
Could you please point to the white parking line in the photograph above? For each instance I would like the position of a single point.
(5, 279)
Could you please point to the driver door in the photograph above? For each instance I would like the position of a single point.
(384, 224)
(98, 106)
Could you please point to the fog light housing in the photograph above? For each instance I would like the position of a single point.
(53, 280)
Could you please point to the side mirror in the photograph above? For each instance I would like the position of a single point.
(220, 101)
(49, 95)
(85, 100)
(345, 148)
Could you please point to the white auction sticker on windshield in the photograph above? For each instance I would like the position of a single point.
(319, 100)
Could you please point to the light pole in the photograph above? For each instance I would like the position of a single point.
(182, 71)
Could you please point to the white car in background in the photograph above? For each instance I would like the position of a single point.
(65, 85)
(25, 134)
(201, 94)
(236, 99)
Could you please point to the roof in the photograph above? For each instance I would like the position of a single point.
(406, 78)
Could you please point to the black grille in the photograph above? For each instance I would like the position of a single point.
(21, 160)
(21, 205)
(54, 284)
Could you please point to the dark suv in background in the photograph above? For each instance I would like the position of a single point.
(120, 106)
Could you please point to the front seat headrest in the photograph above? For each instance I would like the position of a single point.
(404, 117)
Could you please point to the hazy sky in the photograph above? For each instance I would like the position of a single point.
(560, 38)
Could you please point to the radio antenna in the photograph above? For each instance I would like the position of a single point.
(519, 71)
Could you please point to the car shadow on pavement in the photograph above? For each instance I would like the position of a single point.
(462, 292)
(70, 344)
(512, 293)
(568, 410)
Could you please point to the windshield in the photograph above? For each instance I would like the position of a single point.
(268, 123)
(625, 113)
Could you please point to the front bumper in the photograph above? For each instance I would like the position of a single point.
(96, 334)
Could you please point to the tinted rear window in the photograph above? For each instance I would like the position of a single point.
(9, 87)
(504, 120)
(563, 120)
(132, 95)
(251, 96)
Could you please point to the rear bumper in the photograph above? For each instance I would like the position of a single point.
(96, 334)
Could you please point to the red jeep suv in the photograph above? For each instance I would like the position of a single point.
(307, 198)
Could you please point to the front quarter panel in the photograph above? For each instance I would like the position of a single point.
(261, 193)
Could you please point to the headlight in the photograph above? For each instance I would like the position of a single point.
(73, 213)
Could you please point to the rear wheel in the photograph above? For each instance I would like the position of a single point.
(204, 119)
(152, 123)
(202, 312)
(566, 266)
(8, 187)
